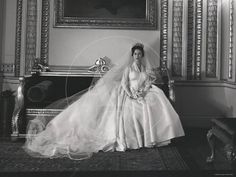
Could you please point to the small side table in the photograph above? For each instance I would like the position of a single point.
(223, 129)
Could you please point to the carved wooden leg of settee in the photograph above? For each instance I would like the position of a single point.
(211, 142)
(19, 104)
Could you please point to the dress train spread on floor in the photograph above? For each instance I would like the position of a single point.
(115, 124)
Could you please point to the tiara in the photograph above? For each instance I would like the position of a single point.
(138, 45)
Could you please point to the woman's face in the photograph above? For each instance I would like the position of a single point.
(137, 55)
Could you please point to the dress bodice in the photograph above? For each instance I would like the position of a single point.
(137, 79)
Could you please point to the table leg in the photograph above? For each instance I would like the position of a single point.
(211, 142)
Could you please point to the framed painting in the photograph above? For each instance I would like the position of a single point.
(106, 14)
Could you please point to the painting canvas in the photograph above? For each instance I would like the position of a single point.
(105, 8)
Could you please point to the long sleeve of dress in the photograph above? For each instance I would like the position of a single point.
(147, 83)
(125, 82)
(151, 79)
(147, 86)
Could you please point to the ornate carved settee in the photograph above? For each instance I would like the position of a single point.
(31, 100)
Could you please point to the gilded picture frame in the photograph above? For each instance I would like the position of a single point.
(106, 14)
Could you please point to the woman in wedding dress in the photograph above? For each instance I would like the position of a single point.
(124, 110)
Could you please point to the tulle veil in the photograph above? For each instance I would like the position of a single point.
(91, 104)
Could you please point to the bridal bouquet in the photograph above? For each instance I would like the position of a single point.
(138, 94)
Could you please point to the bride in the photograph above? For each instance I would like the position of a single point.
(124, 110)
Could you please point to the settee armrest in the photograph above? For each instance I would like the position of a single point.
(171, 86)
(164, 76)
(19, 105)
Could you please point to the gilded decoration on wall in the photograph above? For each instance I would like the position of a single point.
(177, 38)
(39, 65)
(230, 65)
(164, 34)
(211, 41)
(45, 31)
(18, 37)
(190, 40)
(31, 34)
(198, 39)
(7, 68)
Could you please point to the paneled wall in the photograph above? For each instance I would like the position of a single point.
(199, 51)
(194, 39)
(188, 38)
(7, 44)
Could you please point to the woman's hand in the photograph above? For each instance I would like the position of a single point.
(134, 96)
(140, 93)
(137, 95)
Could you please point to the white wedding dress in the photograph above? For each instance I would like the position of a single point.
(90, 125)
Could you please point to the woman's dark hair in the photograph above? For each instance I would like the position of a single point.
(139, 47)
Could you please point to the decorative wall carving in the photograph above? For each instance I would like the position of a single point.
(190, 40)
(230, 65)
(31, 30)
(198, 39)
(7, 68)
(211, 41)
(45, 31)
(163, 33)
(18, 37)
(177, 38)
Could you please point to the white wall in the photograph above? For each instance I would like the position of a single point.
(7, 44)
(1, 36)
(81, 47)
(9, 32)
(231, 101)
(1, 26)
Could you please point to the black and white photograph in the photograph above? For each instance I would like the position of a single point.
(117, 88)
